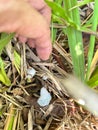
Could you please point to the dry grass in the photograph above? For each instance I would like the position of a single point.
(20, 99)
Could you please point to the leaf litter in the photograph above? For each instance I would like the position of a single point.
(18, 102)
(21, 97)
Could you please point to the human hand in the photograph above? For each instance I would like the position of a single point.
(30, 20)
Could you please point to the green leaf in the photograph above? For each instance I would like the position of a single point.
(57, 9)
(61, 13)
(57, 19)
(93, 81)
(59, 1)
(1, 112)
(3, 77)
(5, 38)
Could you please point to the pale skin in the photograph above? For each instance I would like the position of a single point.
(30, 20)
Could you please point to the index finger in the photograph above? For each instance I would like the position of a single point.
(43, 46)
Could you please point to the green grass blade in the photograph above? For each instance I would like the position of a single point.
(75, 40)
(81, 3)
(3, 77)
(5, 38)
(72, 22)
(93, 81)
(10, 118)
(61, 13)
(92, 38)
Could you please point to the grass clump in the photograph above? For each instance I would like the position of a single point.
(67, 15)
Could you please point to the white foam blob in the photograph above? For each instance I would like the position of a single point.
(30, 73)
(45, 97)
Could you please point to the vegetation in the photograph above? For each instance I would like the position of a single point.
(67, 23)
(66, 14)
